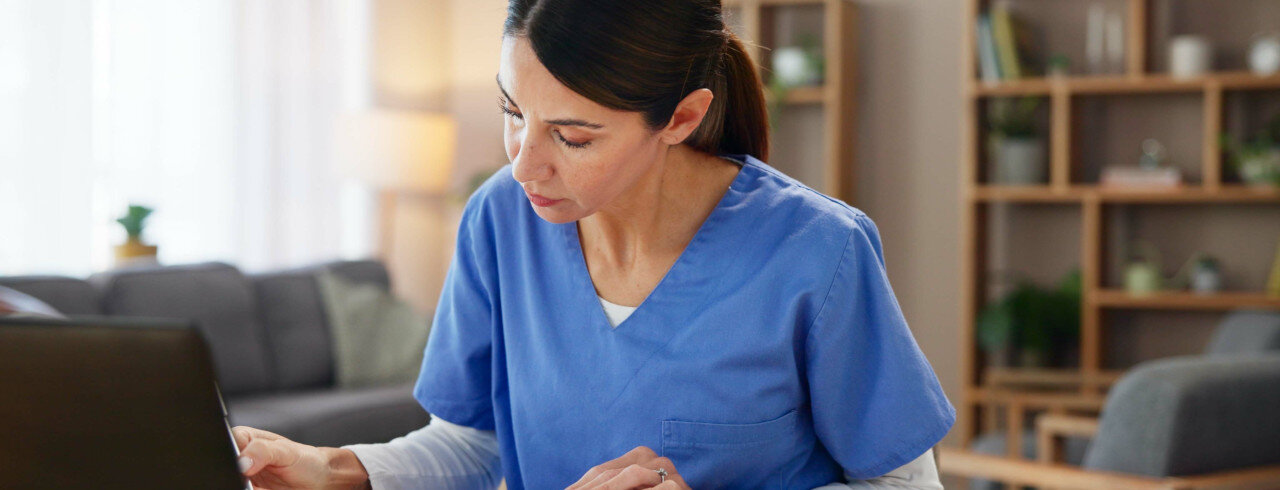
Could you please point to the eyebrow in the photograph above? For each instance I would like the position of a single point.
(557, 122)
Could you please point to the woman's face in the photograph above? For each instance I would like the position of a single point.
(564, 147)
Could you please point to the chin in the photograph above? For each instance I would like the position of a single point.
(553, 216)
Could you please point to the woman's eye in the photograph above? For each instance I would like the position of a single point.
(502, 106)
(571, 144)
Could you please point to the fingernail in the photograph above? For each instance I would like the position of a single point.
(245, 463)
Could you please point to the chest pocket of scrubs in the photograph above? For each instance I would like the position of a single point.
(716, 455)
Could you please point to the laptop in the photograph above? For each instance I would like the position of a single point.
(111, 403)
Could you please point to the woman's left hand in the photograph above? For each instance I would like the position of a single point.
(636, 469)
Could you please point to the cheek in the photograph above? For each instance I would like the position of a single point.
(511, 140)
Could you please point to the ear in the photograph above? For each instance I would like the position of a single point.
(687, 116)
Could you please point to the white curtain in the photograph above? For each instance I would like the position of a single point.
(217, 113)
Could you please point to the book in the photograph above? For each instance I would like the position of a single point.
(987, 63)
(1128, 176)
(1006, 46)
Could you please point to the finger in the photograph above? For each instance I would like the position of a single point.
(243, 434)
(634, 476)
(604, 476)
(260, 453)
(667, 485)
(637, 455)
(670, 466)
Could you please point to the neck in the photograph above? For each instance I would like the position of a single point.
(658, 215)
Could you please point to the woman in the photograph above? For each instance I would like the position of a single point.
(638, 301)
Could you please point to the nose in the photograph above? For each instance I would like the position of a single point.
(530, 163)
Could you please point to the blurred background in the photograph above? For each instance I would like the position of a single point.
(1068, 192)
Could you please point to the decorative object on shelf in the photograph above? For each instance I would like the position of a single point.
(1150, 172)
(1115, 41)
(1033, 321)
(799, 65)
(1104, 40)
(1264, 53)
(1014, 143)
(134, 250)
(1273, 283)
(1190, 56)
(1258, 159)
(1201, 273)
(1142, 275)
(1059, 65)
(793, 66)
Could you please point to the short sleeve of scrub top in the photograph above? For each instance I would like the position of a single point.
(772, 354)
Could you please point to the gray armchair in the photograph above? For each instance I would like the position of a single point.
(1240, 333)
(1189, 422)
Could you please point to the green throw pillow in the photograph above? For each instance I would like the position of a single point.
(378, 339)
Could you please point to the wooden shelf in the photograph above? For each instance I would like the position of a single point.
(806, 95)
(985, 404)
(1121, 84)
(1192, 193)
(1183, 300)
(760, 33)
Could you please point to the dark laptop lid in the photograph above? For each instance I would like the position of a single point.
(110, 404)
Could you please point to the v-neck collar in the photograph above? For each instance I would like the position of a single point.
(682, 272)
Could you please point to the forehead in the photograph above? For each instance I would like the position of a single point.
(532, 87)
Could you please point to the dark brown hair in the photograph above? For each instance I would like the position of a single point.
(646, 56)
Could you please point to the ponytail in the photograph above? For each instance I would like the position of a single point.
(737, 121)
(646, 56)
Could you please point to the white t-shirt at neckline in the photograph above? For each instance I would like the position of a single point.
(616, 312)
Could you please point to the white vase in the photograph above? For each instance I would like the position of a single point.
(1020, 161)
(1264, 55)
(1190, 56)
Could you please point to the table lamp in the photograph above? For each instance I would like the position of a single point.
(398, 152)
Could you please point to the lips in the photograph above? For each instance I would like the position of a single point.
(540, 200)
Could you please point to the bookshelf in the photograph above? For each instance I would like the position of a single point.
(989, 391)
(821, 118)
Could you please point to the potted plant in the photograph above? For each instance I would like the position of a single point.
(1257, 160)
(133, 249)
(1040, 326)
(1014, 142)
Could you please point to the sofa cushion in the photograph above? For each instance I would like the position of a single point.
(216, 296)
(69, 296)
(297, 332)
(333, 417)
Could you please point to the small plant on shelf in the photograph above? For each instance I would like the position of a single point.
(1041, 326)
(1256, 160)
(1014, 141)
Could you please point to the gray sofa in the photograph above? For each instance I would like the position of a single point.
(269, 338)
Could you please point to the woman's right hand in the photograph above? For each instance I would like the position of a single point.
(273, 462)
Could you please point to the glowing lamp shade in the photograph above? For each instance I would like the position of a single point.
(393, 149)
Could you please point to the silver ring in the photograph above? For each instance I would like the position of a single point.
(662, 473)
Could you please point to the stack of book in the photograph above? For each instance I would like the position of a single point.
(1146, 178)
(1006, 45)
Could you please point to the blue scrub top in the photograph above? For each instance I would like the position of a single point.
(772, 354)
